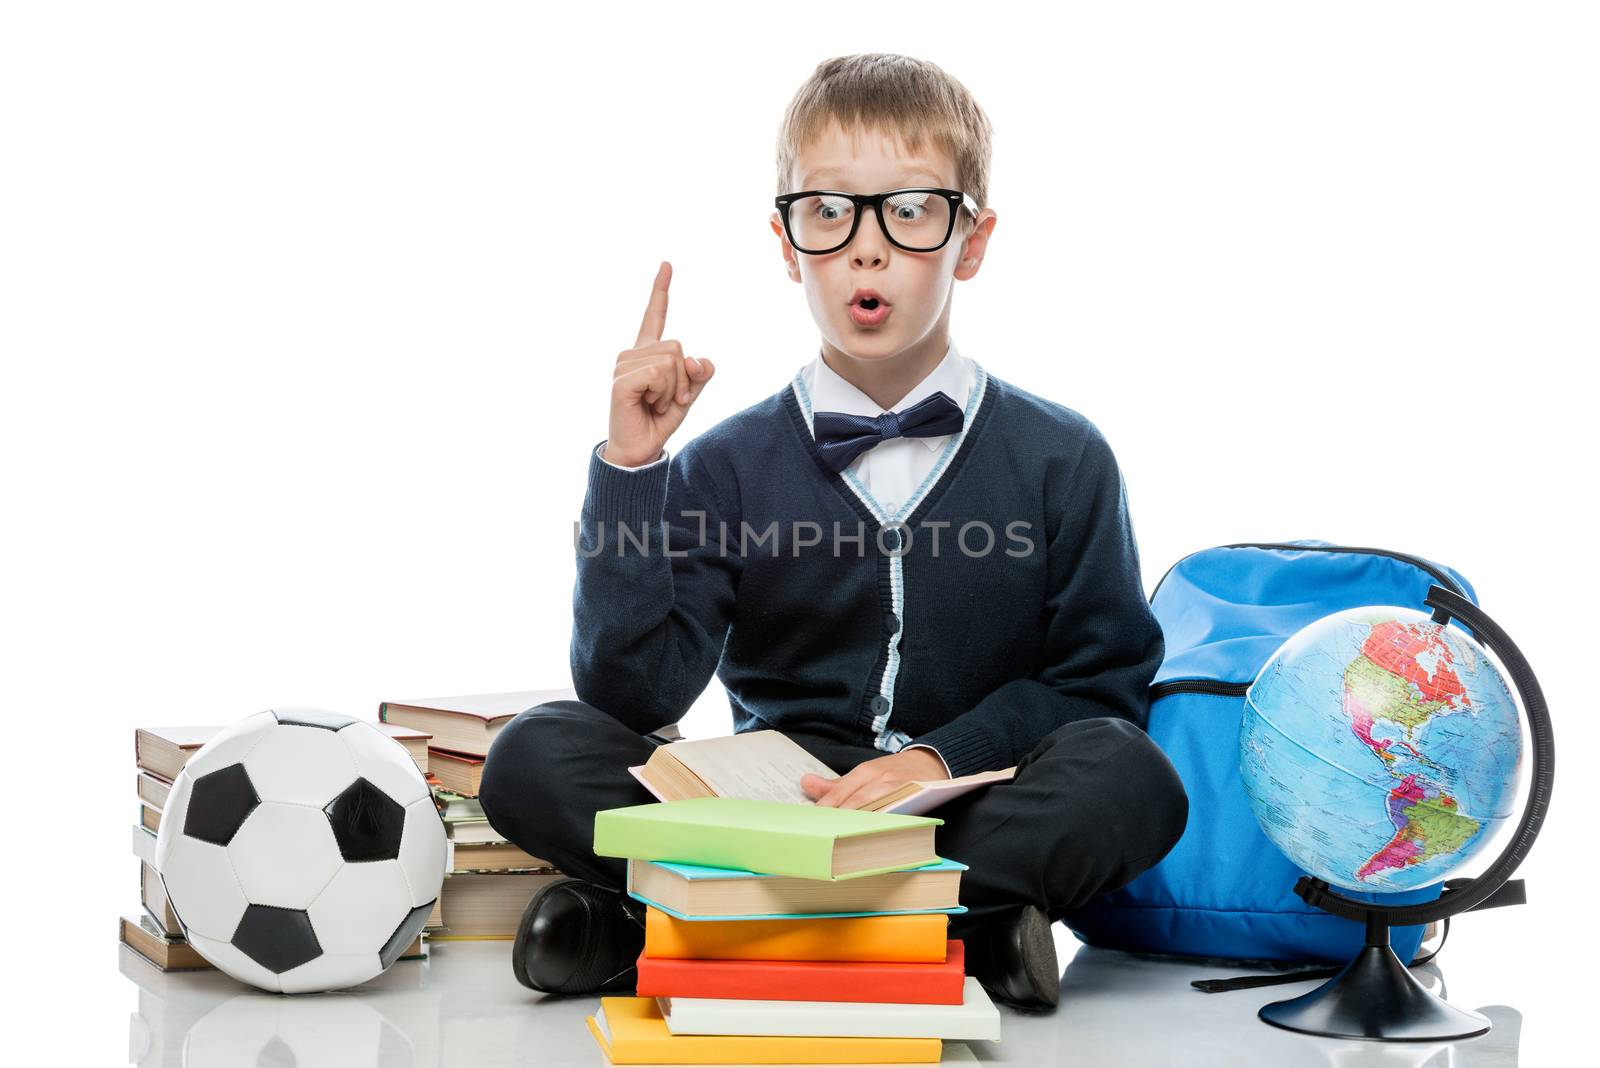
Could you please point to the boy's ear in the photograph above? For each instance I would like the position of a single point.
(975, 244)
(776, 222)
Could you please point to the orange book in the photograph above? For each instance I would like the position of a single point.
(884, 982)
(912, 936)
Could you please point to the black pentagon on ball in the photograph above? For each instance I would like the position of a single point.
(219, 801)
(310, 717)
(405, 934)
(367, 822)
(275, 938)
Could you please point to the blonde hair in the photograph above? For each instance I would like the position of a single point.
(891, 94)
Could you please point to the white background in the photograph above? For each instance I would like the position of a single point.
(308, 313)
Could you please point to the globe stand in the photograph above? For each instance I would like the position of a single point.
(1375, 996)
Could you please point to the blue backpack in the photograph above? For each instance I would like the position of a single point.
(1225, 890)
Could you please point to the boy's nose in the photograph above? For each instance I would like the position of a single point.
(869, 244)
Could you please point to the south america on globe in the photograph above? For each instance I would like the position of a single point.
(1380, 749)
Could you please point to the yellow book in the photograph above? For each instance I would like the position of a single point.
(913, 936)
(632, 1031)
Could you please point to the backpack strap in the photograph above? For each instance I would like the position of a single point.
(1513, 892)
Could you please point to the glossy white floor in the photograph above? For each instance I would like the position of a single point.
(462, 1007)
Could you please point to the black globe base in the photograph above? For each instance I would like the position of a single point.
(1375, 997)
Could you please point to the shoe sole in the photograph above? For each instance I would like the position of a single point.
(1039, 955)
(519, 944)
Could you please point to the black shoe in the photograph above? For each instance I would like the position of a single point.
(579, 938)
(1014, 957)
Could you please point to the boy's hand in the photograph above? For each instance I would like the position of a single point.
(871, 779)
(652, 387)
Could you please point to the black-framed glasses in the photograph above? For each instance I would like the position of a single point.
(820, 221)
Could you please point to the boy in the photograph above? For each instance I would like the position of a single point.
(912, 568)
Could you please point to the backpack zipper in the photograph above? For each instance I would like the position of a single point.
(1215, 687)
(1220, 688)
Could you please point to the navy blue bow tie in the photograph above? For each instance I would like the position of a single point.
(841, 437)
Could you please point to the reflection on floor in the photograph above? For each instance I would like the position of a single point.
(462, 1007)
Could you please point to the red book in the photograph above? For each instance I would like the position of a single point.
(885, 982)
(461, 773)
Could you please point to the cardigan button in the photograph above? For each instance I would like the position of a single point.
(891, 622)
(879, 705)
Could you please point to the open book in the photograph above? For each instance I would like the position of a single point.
(766, 766)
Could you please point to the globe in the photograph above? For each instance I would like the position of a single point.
(1379, 749)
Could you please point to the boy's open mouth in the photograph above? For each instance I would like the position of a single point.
(867, 308)
(869, 311)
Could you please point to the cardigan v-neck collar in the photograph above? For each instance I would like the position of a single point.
(980, 403)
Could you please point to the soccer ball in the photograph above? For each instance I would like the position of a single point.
(301, 850)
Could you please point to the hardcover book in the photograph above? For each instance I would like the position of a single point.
(693, 890)
(633, 1031)
(896, 982)
(804, 841)
(974, 1018)
(460, 773)
(468, 723)
(911, 936)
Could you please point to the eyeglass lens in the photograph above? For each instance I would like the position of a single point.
(917, 220)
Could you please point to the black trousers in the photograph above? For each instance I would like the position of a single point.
(1093, 805)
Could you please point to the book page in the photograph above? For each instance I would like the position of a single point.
(932, 793)
(755, 765)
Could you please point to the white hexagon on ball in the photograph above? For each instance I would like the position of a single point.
(284, 855)
(202, 888)
(361, 907)
(422, 851)
(301, 850)
(301, 765)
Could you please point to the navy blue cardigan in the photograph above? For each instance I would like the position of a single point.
(1003, 600)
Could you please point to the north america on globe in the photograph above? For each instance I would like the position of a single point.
(1380, 749)
(1405, 676)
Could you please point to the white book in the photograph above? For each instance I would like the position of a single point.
(144, 844)
(975, 1018)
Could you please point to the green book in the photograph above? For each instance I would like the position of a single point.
(773, 837)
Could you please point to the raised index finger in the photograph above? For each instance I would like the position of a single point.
(655, 313)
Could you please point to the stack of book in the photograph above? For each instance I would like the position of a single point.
(778, 932)
(159, 755)
(489, 879)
